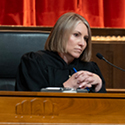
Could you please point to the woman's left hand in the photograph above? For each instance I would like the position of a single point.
(87, 79)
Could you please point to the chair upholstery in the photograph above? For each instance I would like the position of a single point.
(12, 46)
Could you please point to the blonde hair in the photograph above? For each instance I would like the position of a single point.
(61, 31)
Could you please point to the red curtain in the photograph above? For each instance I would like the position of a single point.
(99, 13)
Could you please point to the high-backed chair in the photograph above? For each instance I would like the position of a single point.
(12, 46)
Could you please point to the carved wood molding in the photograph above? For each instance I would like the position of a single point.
(108, 38)
(39, 107)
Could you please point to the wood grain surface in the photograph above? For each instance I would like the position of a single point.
(80, 108)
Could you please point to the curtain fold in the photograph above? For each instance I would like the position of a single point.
(29, 13)
(48, 11)
(114, 13)
(99, 13)
(11, 12)
(93, 11)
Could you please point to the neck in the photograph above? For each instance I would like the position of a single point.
(66, 58)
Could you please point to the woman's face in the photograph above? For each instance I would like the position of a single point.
(77, 41)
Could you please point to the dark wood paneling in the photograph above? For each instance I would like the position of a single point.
(115, 53)
(108, 32)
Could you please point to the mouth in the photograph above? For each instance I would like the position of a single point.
(78, 50)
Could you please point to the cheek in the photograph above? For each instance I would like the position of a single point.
(70, 42)
(85, 45)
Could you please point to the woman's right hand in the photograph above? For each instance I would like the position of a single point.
(71, 82)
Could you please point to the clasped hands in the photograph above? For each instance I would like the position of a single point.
(83, 79)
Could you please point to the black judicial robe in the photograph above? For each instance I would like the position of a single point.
(47, 69)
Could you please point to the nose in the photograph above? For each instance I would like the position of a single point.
(82, 42)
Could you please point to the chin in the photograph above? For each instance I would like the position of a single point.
(76, 56)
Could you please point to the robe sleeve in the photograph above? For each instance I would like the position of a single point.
(31, 74)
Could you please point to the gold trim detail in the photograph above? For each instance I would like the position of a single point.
(108, 38)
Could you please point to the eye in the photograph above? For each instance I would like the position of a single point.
(76, 34)
(86, 38)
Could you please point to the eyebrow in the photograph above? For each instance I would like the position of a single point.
(77, 31)
(81, 33)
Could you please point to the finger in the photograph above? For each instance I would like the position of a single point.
(82, 78)
(83, 73)
(89, 73)
(78, 74)
(89, 85)
(89, 79)
(83, 84)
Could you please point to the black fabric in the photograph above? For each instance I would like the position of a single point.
(46, 69)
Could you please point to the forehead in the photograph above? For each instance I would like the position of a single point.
(81, 27)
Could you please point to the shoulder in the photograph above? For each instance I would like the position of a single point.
(93, 65)
(90, 66)
(41, 57)
(35, 55)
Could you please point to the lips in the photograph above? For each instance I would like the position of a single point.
(78, 50)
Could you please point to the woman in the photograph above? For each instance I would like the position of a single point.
(67, 48)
